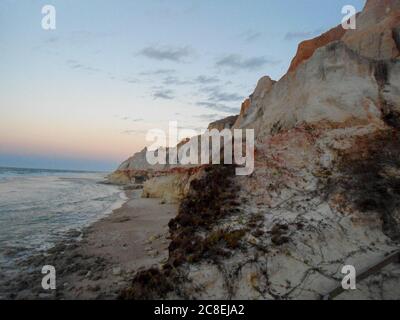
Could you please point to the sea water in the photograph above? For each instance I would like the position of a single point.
(40, 207)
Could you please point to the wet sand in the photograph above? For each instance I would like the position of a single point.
(104, 261)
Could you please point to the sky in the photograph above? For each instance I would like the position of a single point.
(84, 95)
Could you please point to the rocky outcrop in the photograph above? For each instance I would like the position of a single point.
(376, 34)
(341, 81)
(226, 123)
(336, 85)
(307, 48)
(136, 169)
(264, 86)
(325, 191)
(171, 187)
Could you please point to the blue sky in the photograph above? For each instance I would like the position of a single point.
(83, 96)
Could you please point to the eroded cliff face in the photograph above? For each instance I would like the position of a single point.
(376, 35)
(226, 123)
(136, 170)
(171, 187)
(325, 191)
(335, 85)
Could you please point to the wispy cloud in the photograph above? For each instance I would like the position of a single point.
(171, 80)
(208, 117)
(237, 62)
(51, 40)
(80, 66)
(250, 35)
(217, 94)
(77, 38)
(206, 80)
(180, 54)
(165, 94)
(130, 119)
(157, 72)
(74, 64)
(217, 107)
(130, 80)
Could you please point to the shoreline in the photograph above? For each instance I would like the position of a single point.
(103, 259)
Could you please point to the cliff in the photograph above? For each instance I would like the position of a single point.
(325, 191)
(226, 123)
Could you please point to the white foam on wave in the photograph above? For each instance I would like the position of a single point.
(36, 211)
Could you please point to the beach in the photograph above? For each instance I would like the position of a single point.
(103, 258)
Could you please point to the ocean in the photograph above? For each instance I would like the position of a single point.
(40, 207)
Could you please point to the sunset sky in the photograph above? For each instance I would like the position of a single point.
(83, 96)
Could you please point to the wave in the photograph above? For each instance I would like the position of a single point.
(38, 207)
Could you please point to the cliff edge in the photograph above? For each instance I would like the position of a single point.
(325, 191)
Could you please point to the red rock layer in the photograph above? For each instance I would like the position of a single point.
(307, 48)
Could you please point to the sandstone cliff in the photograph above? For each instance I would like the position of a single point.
(226, 123)
(326, 187)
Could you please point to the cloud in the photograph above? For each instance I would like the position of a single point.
(76, 65)
(73, 64)
(217, 94)
(300, 35)
(190, 127)
(170, 80)
(77, 38)
(206, 80)
(130, 80)
(127, 118)
(163, 94)
(208, 117)
(157, 72)
(176, 81)
(225, 96)
(217, 106)
(250, 35)
(51, 39)
(167, 53)
(237, 62)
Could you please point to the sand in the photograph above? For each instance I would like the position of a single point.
(106, 257)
